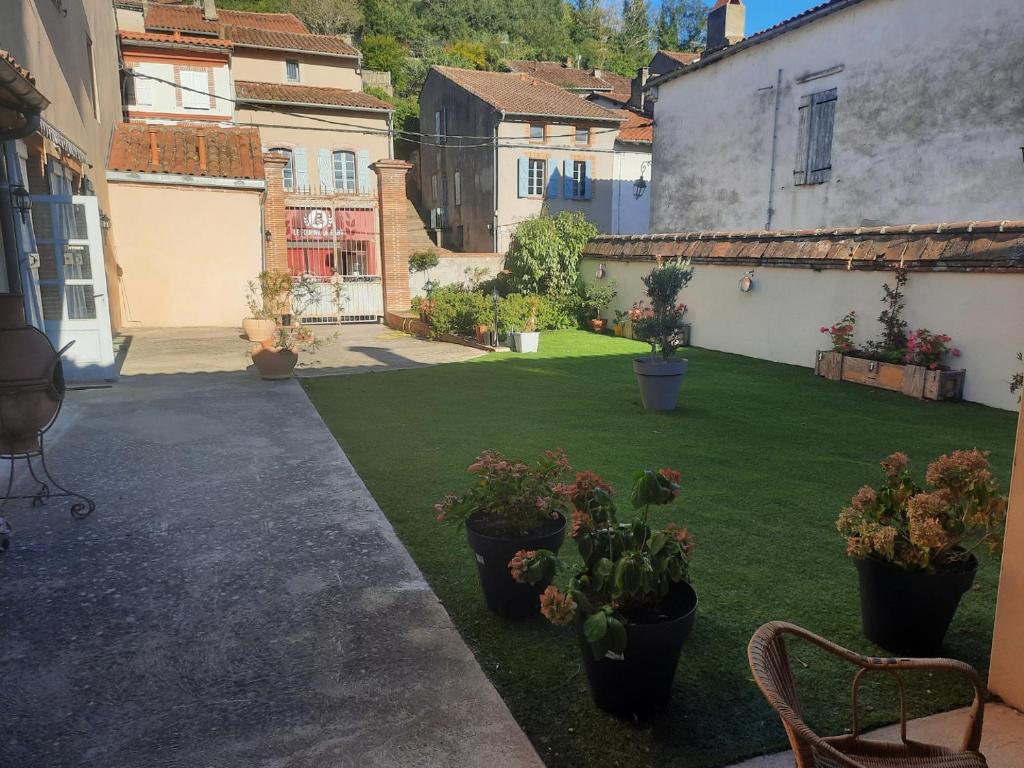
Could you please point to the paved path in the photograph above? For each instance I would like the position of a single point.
(237, 600)
(356, 348)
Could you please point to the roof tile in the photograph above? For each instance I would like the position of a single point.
(231, 153)
(520, 94)
(637, 128)
(571, 78)
(248, 37)
(246, 90)
(190, 19)
(131, 36)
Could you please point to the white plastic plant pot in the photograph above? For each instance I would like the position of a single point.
(524, 342)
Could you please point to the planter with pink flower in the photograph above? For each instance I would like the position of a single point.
(916, 363)
(915, 546)
(631, 601)
(511, 507)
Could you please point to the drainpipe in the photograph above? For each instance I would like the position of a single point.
(391, 135)
(775, 152)
(494, 216)
(31, 126)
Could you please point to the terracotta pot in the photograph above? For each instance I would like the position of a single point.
(273, 362)
(482, 335)
(598, 325)
(31, 388)
(258, 328)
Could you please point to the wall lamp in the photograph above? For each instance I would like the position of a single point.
(747, 282)
(601, 271)
(22, 201)
(267, 236)
(640, 185)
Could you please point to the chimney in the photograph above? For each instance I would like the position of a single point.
(154, 151)
(201, 142)
(210, 10)
(726, 24)
(598, 73)
(568, 62)
(636, 89)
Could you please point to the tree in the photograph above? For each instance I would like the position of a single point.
(385, 53)
(635, 36)
(328, 17)
(545, 251)
(682, 25)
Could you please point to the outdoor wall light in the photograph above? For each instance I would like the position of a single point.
(601, 271)
(22, 201)
(640, 185)
(747, 282)
(267, 236)
(104, 221)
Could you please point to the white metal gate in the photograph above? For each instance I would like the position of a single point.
(66, 285)
(344, 299)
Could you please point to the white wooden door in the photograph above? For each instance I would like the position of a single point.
(71, 285)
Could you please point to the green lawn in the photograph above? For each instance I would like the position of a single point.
(769, 454)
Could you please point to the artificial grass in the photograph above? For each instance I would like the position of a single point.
(769, 454)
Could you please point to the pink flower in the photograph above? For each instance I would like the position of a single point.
(557, 606)
(824, 329)
(519, 563)
(956, 352)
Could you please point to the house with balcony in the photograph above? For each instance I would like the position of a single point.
(506, 145)
(303, 94)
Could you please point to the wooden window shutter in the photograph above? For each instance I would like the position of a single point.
(524, 177)
(325, 171)
(588, 174)
(365, 175)
(800, 169)
(819, 149)
(567, 176)
(300, 156)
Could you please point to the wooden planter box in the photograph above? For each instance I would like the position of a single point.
(913, 380)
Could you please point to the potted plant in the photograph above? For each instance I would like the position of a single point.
(423, 262)
(631, 600)
(511, 506)
(594, 298)
(619, 326)
(276, 357)
(527, 340)
(266, 297)
(912, 363)
(914, 547)
(661, 325)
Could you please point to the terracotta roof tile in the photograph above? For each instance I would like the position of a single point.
(18, 88)
(247, 37)
(307, 94)
(520, 94)
(571, 78)
(637, 128)
(963, 247)
(683, 57)
(231, 153)
(5, 56)
(190, 19)
(130, 36)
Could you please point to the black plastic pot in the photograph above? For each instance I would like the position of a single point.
(503, 594)
(908, 612)
(640, 683)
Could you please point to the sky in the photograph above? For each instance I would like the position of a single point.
(762, 14)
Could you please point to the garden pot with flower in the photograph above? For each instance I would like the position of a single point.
(511, 507)
(914, 547)
(266, 297)
(527, 340)
(660, 324)
(277, 356)
(631, 602)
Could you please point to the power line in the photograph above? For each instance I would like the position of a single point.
(485, 141)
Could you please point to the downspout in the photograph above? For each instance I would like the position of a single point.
(391, 135)
(494, 219)
(775, 152)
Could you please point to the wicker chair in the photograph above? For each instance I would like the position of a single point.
(769, 662)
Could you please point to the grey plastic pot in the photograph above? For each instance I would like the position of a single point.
(525, 341)
(660, 381)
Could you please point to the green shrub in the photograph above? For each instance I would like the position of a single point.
(456, 310)
(552, 314)
(545, 251)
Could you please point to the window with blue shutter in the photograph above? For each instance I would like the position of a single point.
(344, 171)
(588, 175)
(524, 177)
(567, 184)
(365, 174)
(300, 155)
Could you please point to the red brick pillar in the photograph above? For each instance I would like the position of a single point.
(394, 233)
(273, 212)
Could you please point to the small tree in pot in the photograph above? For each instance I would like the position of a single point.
(510, 507)
(631, 601)
(660, 323)
(914, 548)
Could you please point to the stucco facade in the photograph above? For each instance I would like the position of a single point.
(927, 125)
(268, 66)
(155, 91)
(195, 275)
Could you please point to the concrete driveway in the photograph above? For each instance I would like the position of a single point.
(355, 348)
(237, 600)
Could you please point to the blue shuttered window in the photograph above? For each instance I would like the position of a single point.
(300, 156)
(365, 174)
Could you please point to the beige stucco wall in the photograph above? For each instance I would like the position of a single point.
(188, 266)
(269, 67)
(1006, 673)
(927, 126)
(294, 130)
(130, 19)
(514, 143)
(780, 319)
(164, 95)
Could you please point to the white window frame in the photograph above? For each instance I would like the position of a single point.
(579, 179)
(343, 155)
(141, 89)
(288, 71)
(543, 132)
(576, 135)
(536, 177)
(189, 98)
